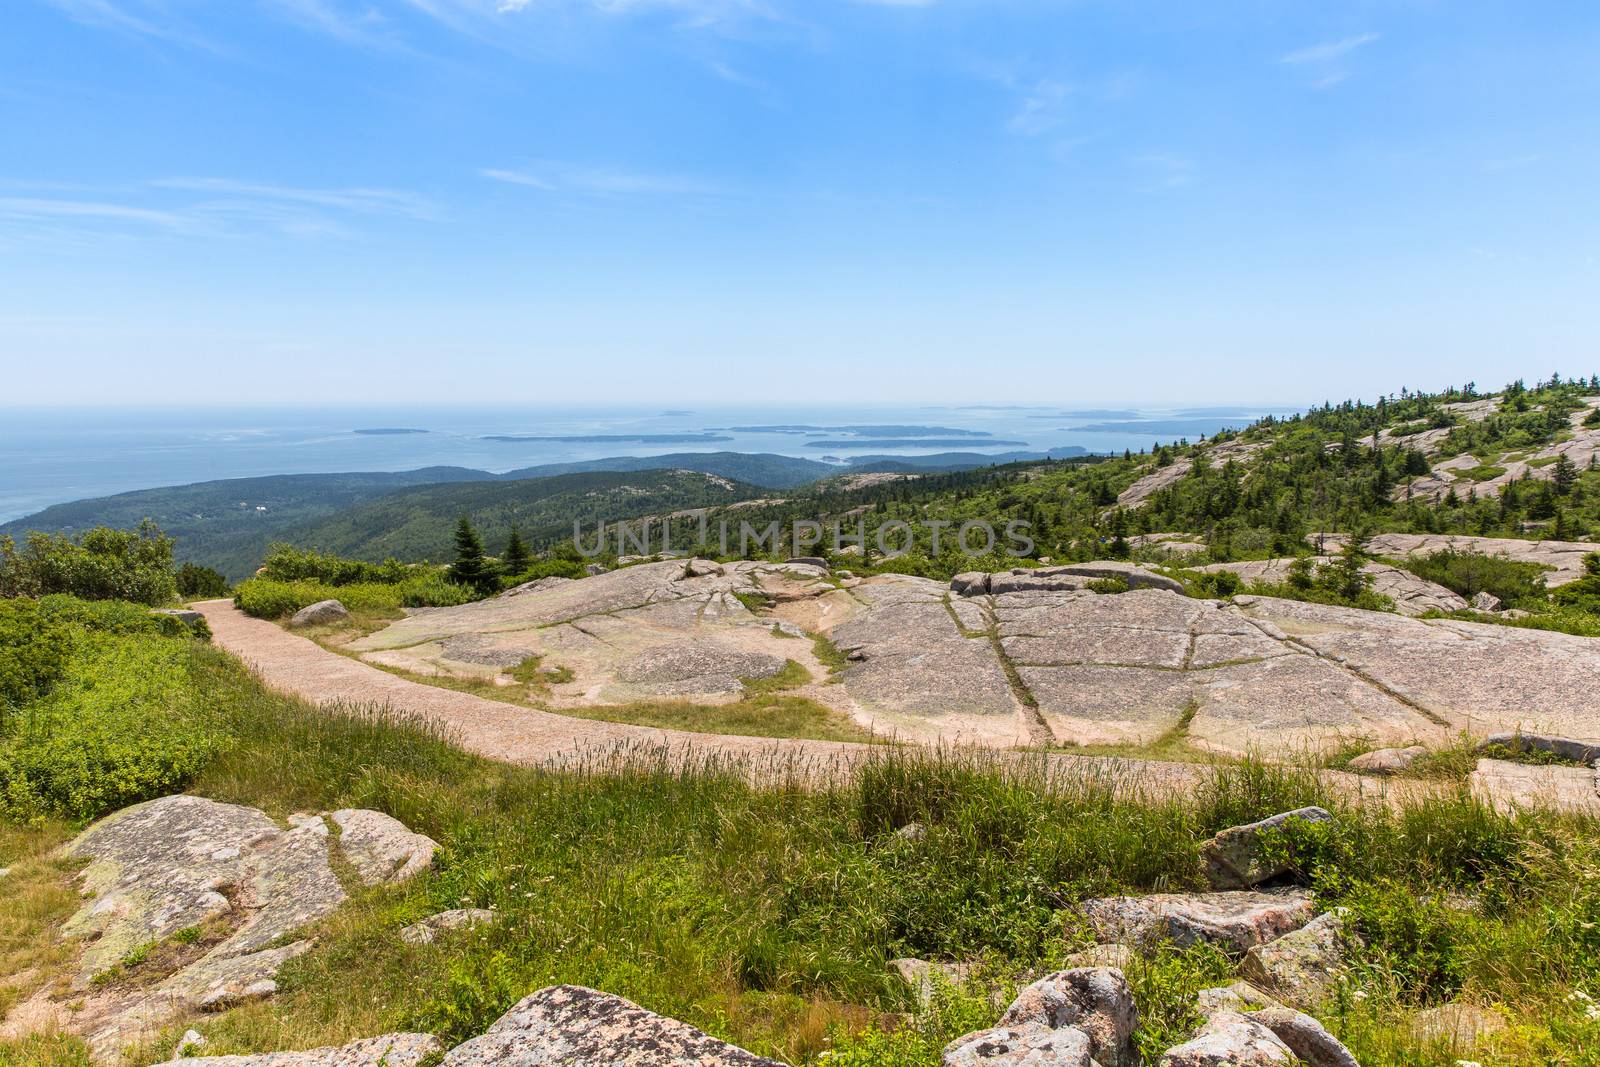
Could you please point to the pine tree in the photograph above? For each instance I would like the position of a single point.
(470, 568)
(515, 559)
(1564, 474)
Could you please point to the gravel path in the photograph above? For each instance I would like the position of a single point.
(292, 664)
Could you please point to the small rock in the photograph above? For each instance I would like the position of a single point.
(1235, 921)
(1483, 601)
(1033, 1046)
(1238, 857)
(808, 561)
(190, 1043)
(1306, 1037)
(577, 1027)
(320, 613)
(912, 831)
(309, 823)
(970, 583)
(390, 1050)
(1563, 747)
(425, 931)
(1460, 1026)
(1230, 1040)
(1301, 965)
(593, 569)
(1237, 997)
(380, 847)
(1388, 760)
(1119, 956)
(229, 996)
(702, 568)
(4, 871)
(1096, 1000)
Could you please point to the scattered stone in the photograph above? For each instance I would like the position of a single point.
(380, 847)
(1562, 747)
(1230, 1040)
(912, 831)
(1460, 1026)
(1388, 760)
(1303, 964)
(425, 931)
(191, 1042)
(1032, 1046)
(808, 561)
(323, 612)
(187, 616)
(1095, 1000)
(970, 583)
(1239, 997)
(1485, 601)
(1240, 857)
(572, 1026)
(1234, 921)
(390, 1050)
(1119, 956)
(1306, 1037)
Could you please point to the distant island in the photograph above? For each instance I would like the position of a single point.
(384, 431)
(675, 414)
(865, 431)
(602, 438)
(909, 442)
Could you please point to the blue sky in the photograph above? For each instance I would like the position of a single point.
(737, 200)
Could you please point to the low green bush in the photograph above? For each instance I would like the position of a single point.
(286, 563)
(267, 598)
(127, 718)
(1469, 573)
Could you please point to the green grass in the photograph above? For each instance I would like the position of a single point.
(761, 715)
(267, 598)
(764, 910)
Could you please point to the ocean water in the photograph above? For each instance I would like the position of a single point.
(50, 456)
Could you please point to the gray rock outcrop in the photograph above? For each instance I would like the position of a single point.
(1567, 748)
(1306, 1037)
(1002, 1046)
(1095, 1000)
(380, 847)
(390, 1050)
(1388, 760)
(322, 613)
(1234, 921)
(1303, 965)
(571, 1026)
(426, 931)
(1230, 1040)
(1244, 856)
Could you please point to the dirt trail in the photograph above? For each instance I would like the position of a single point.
(295, 665)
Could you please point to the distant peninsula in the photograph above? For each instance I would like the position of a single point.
(611, 438)
(910, 442)
(865, 431)
(386, 431)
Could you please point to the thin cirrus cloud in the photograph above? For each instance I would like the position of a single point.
(364, 201)
(592, 181)
(1325, 61)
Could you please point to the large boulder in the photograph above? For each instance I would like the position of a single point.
(1244, 856)
(1239, 997)
(1096, 1000)
(1306, 1037)
(1302, 966)
(1230, 1040)
(390, 1050)
(380, 847)
(1234, 921)
(571, 1026)
(322, 613)
(1029, 1046)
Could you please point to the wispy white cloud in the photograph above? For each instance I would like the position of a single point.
(53, 209)
(366, 201)
(1328, 51)
(138, 18)
(1041, 108)
(566, 178)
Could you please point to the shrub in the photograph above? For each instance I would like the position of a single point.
(547, 568)
(267, 598)
(127, 720)
(195, 581)
(102, 564)
(1469, 573)
(33, 654)
(285, 563)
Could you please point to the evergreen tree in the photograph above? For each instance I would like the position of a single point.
(470, 568)
(1564, 474)
(516, 558)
